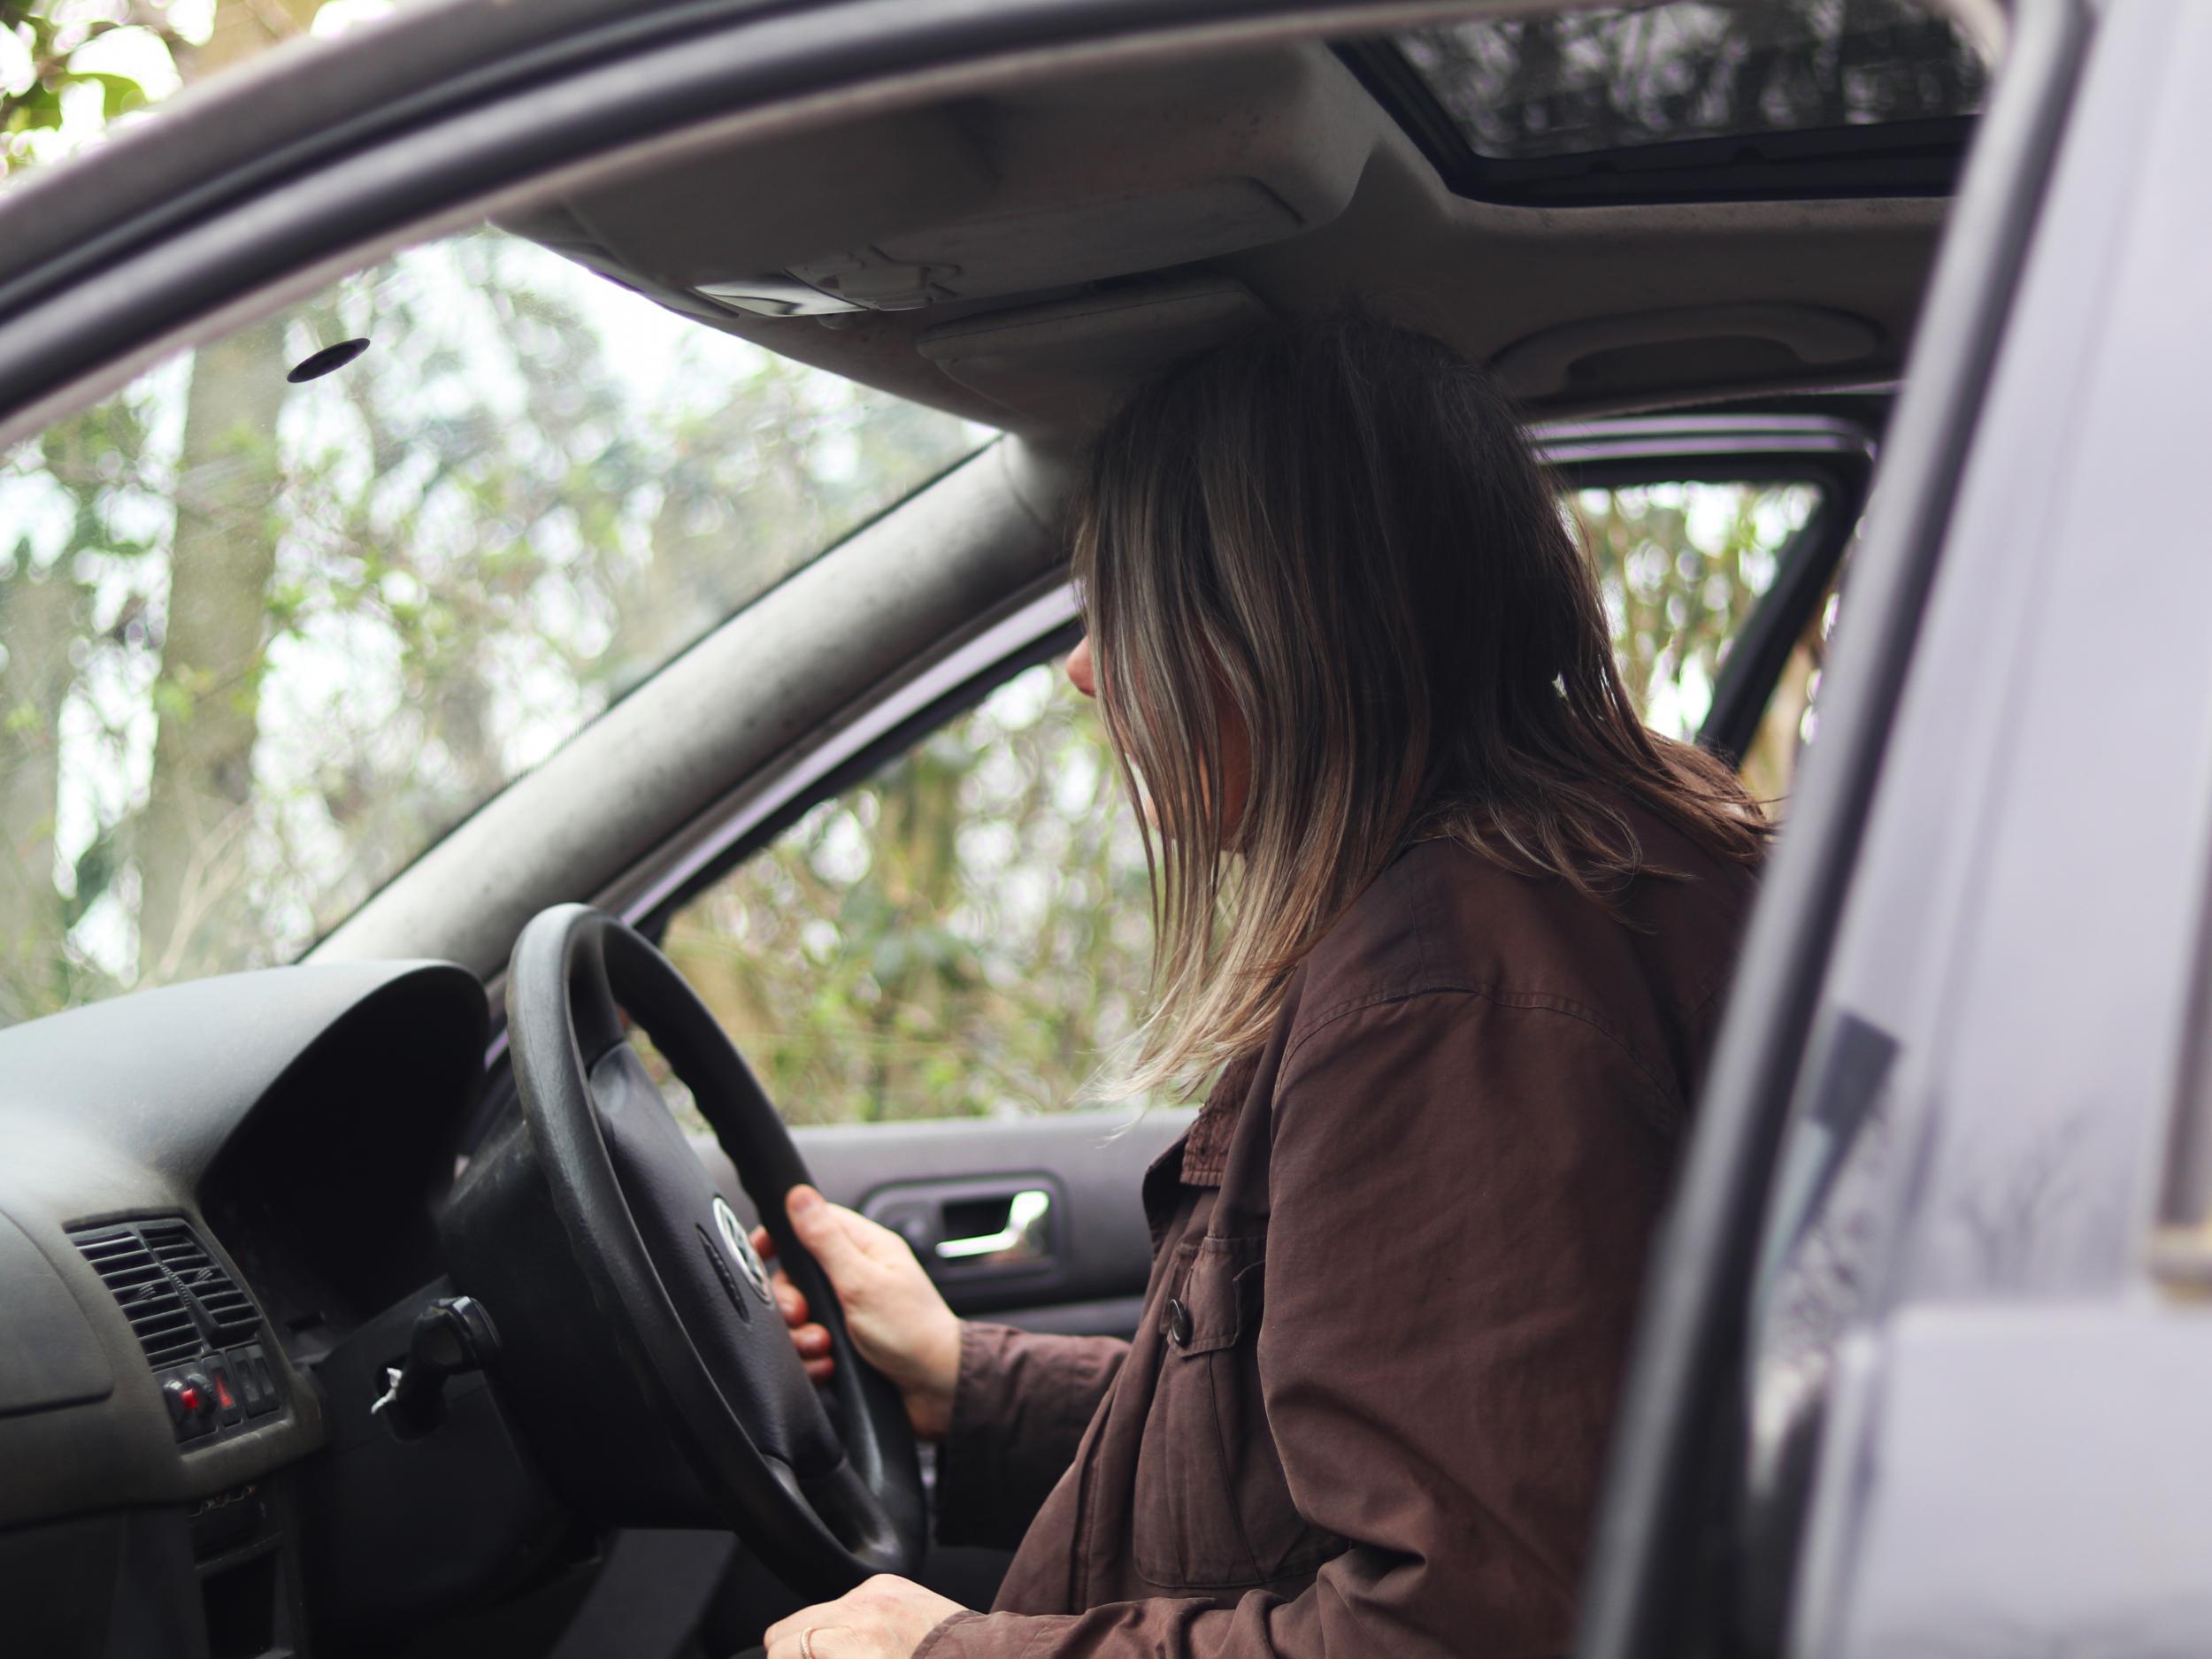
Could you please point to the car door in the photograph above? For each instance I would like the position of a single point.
(1923, 1368)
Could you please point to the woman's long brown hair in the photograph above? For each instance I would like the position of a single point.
(1338, 532)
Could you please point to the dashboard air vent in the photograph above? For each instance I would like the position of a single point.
(228, 1306)
(177, 1299)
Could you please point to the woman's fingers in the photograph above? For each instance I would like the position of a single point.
(813, 1343)
(823, 1641)
(811, 1340)
(820, 1225)
(790, 1301)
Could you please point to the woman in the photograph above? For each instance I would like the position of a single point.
(1476, 924)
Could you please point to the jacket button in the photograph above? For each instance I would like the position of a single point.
(1178, 1323)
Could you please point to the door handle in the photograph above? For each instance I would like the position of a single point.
(1027, 1236)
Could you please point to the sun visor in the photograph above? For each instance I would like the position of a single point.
(1057, 246)
(1069, 364)
(1034, 192)
(737, 212)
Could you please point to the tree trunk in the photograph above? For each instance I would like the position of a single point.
(41, 613)
(190, 839)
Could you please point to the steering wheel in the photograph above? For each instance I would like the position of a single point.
(822, 1484)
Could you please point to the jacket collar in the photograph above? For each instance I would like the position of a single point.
(1205, 1147)
(1202, 1156)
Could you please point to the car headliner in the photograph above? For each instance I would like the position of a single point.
(1070, 229)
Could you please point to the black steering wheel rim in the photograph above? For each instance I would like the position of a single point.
(825, 1502)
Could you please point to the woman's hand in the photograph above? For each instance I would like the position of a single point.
(898, 1321)
(884, 1619)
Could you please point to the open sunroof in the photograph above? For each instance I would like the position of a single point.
(1687, 100)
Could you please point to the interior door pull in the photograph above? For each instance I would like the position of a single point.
(1023, 1238)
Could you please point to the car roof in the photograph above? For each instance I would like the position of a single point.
(275, 115)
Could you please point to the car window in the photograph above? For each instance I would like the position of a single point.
(968, 933)
(1770, 763)
(1608, 77)
(1681, 567)
(283, 610)
(1685, 99)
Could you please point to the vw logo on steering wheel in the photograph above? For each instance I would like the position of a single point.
(749, 1262)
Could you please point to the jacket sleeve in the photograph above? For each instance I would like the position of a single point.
(1461, 1195)
(1020, 1405)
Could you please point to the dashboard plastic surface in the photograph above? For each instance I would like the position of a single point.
(302, 1120)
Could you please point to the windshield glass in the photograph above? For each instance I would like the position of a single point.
(280, 613)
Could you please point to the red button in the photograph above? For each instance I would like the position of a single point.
(189, 1397)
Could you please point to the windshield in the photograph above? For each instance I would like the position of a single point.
(284, 611)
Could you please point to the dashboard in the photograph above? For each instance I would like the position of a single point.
(208, 1192)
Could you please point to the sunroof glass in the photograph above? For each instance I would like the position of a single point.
(1625, 77)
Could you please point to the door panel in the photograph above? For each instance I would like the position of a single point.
(1089, 1276)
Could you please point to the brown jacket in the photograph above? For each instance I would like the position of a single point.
(1397, 1257)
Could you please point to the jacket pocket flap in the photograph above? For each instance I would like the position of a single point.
(1219, 1295)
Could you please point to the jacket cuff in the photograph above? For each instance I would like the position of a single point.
(1019, 1408)
(966, 1635)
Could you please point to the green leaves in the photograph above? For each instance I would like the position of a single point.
(119, 95)
(36, 108)
(1680, 567)
(52, 36)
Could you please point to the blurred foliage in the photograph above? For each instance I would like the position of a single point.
(1681, 567)
(69, 67)
(964, 934)
(50, 54)
(968, 933)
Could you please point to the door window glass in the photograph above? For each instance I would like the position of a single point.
(968, 933)
(1770, 761)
